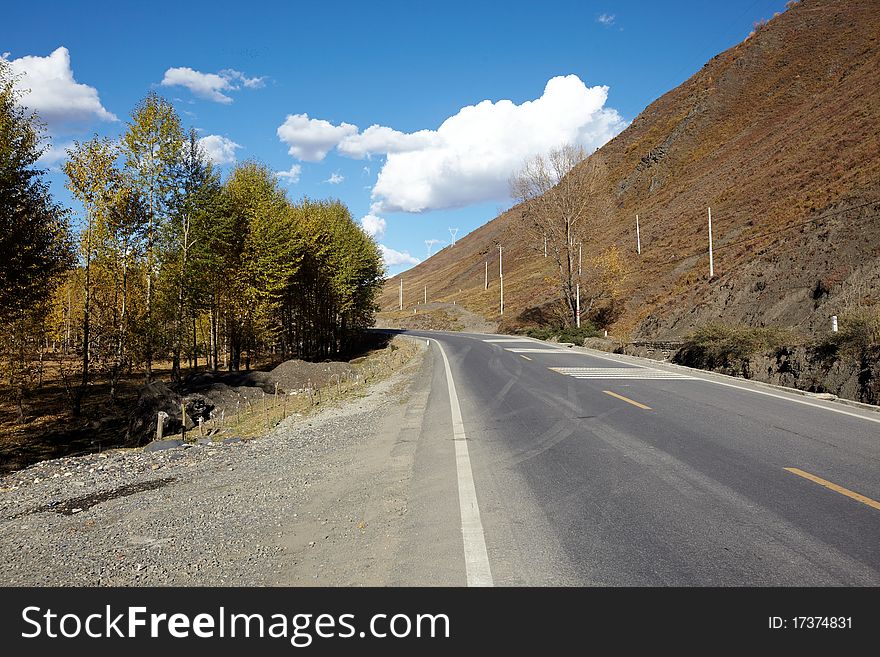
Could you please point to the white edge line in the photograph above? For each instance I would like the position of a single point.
(476, 557)
(697, 377)
(791, 399)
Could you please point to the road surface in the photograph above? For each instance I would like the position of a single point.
(570, 467)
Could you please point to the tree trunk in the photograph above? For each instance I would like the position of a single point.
(212, 318)
(195, 347)
(148, 337)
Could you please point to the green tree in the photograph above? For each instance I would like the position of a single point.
(193, 202)
(34, 233)
(92, 177)
(35, 245)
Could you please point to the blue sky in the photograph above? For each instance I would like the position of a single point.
(298, 85)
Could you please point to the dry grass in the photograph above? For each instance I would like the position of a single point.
(260, 416)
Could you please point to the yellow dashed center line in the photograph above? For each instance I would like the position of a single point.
(627, 400)
(837, 489)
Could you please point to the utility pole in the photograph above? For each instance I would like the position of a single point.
(580, 247)
(487, 275)
(711, 260)
(401, 292)
(545, 245)
(578, 313)
(638, 237)
(501, 276)
(453, 232)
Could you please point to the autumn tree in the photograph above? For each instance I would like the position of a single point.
(35, 245)
(92, 178)
(152, 147)
(552, 190)
(602, 283)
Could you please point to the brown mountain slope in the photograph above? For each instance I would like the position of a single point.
(780, 135)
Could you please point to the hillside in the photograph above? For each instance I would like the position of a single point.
(780, 135)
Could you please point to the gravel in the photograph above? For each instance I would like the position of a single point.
(204, 514)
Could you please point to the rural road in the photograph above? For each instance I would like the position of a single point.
(572, 467)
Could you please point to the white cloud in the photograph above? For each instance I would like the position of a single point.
(54, 94)
(219, 149)
(206, 85)
(470, 157)
(249, 83)
(394, 258)
(292, 176)
(311, 139)
(54, 154)
(210, 85)
(605, 19)
(373, 226)
(380, 139)
(335, 179)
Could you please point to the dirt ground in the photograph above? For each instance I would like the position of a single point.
(50, 431)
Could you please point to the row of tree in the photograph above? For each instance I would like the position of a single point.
(170, 262)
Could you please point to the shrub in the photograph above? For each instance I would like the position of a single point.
(859, 330)
(718, 345)
(563, 333)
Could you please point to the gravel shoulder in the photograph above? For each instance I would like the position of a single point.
(319, 500)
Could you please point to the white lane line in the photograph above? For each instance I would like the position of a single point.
(538, 351)
(510, 340)
(632, 377)
(476, 558)
(618, 373)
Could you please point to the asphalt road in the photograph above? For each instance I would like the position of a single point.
(592, 469)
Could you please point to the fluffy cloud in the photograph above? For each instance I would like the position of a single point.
(335, 179)
(311, 139)
(292, 176)
(373, 226)
(54, 94)
(209, 85)
(219, 149)
(394, 258)
(472, 154)
(380, 139)
(605, 19)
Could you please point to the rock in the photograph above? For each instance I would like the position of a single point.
(198, 406)
(161, 445)
(153, 398)
(230, 441)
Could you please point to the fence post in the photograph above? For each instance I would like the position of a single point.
(160, 424)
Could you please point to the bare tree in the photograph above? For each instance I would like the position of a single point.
(552, 189)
